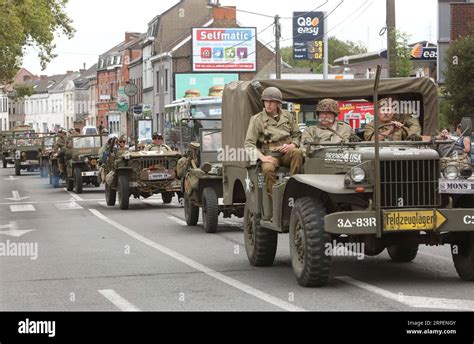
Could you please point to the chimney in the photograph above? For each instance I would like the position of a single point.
(129, 36)
(224, 15)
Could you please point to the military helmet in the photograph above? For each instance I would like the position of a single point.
(328, 105)
(272, 93)
(105, 131)
(62, 131)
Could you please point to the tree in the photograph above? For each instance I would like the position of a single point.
(403, 63)
(337, 49)
(459, 74)
(33, 23)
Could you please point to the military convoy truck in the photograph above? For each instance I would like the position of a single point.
(47, 143)
(415, 197)
(27, 146)
(142, 174)
(6, 148)
(82, 162)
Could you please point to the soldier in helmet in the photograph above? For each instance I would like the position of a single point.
(393, 127)
(158, 144)
(105, 131)
(60, 149)
(274, 137)
(329, 129)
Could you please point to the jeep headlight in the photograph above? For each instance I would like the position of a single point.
(451, 172)
(172, 164)
(357, 174)
(126, 156)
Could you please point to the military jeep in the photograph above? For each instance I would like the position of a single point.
(379, 195)
(26, 151)
(6, 148)
(142, 174)
(82, 157)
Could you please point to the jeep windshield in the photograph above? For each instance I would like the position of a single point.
(49, 142)
(28, 141)
(87, 142)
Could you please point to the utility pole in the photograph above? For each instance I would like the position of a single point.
(391, 38)
(325, 49)
(277, 46)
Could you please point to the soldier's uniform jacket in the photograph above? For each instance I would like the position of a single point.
(265, 132)
(339, 132)
(157, 148)
(411, 124)
(60, 144)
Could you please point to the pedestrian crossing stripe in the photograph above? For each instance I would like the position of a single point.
(22, 208)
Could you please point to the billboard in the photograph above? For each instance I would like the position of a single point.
(224, 49)
(356, 114)
(308, 35)
(202, 85)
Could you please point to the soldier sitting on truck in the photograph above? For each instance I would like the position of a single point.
(273, 137)
(393, 127)
(60, 149)
(329, 129)
(158, 144)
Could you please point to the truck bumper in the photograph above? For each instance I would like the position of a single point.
(401, 221)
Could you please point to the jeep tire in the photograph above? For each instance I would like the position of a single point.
(260, 243)
(78, 180)
(167, 197)
(191, 212)
(110, 195)
(124, 191)
(463, 255)
(210, 210)
(402, 253)
(308, 243)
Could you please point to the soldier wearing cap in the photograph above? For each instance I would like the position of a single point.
(158, 144)
(274, 137)
(329, 129)
(393, 127)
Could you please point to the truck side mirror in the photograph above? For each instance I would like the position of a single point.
(466, 126)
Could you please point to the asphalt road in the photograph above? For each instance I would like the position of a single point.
(90, 257)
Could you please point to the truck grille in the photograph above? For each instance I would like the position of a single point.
(32, 155)
(147, 163)
(409, 183)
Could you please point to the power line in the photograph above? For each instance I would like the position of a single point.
(302, 15)
(344, 21)
(361, 13)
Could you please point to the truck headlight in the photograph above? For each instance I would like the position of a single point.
(451, 172)
(172, 164)
(357, 174)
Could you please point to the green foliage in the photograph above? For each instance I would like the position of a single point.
(20, 92)
(459, 74)
(403, 64)
(337, 49)
(33, 23)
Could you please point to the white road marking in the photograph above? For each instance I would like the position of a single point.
(85, 200)
(11, 225)
(413, 301)
(68, 206)
(16, 197)
(16, 233)
(118, 301)
(21, 208)
(177, 220)
(204, 269)
(75, 196)
(11, 178)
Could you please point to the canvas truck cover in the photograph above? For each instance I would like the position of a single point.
(241, 100)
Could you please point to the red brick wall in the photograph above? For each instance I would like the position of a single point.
(462, 15)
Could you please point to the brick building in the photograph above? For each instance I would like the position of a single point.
(112, 74)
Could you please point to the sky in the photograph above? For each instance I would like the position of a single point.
(101, 24)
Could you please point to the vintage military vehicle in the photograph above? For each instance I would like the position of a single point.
(26, 150)
(47, 144)
(6, 148)
(82, 161)
(397, 197)
(142, 174)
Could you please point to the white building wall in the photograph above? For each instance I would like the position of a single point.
(3, 112)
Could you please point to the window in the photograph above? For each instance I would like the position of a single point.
(166, 80)
(158, 82)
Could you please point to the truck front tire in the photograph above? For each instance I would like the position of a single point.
(402, 253)
(463, 255)
(260, 243)
(124, 192)
(308, 243)
(210, 210)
